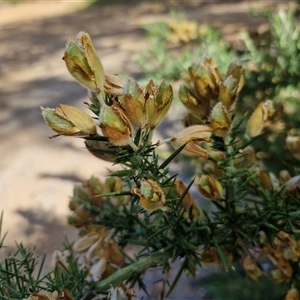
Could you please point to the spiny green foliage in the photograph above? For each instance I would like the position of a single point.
(174, 44)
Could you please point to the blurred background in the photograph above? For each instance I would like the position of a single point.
(37, 175)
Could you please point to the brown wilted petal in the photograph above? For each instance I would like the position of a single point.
(97, 270)
(192, 136)
(114, 84)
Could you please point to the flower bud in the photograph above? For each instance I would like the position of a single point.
(83, 62)
(114, 84)
(258, 119)
(209, 187)
(192, 136)
(115, 125)
(151, 195)
(69, 120)
(220, 121)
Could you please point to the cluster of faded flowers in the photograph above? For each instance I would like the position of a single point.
(124, 114)
(124, 110)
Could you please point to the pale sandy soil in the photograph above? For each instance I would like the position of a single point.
(37, 175)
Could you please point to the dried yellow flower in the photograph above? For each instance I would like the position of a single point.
(114, 84)
(97, 270)
(85, 242)
(209, 187)
(69, 120)
(220, 121)
(83, 62)
(196, 105)
(204, 79)
(115, 125)
(158, 101)
(134, 104)
(193, 136)
(151, 195)
(258, 118)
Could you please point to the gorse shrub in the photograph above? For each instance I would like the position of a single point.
(272, 72)
(271, 69)
(174, 45)
(253, 221)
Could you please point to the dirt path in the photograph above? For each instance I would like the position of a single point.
(37, 175)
